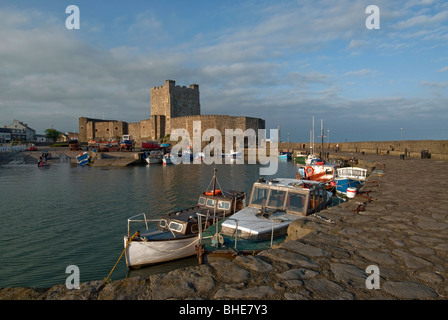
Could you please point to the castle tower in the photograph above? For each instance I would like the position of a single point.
(173, 101)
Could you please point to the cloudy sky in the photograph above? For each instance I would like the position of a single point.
(283, 61)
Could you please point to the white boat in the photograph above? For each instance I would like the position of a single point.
(274, 205)
(310, 158)
(232, 154)
(176, 234)
(154, 156)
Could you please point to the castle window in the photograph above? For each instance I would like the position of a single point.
(107, 129)
(116, 128)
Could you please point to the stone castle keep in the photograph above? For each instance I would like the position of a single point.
(172, 107)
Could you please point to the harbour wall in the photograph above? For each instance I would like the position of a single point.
(437, 149)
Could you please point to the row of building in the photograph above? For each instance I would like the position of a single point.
(19, 131)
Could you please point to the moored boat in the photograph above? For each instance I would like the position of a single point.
(284, 155)
(176, 234)
(274, 205)
(154, 157)
(42, 164)
(300, 158)
(318, 170)
(83, 158)
(350, 177)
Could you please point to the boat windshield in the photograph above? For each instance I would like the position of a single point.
(276, 199)
(287, 200)
(260, 196)
(295, 202)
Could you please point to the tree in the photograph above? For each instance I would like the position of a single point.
(52, 134)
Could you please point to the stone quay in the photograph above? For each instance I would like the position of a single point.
(397, 223)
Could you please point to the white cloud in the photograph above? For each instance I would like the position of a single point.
(273, 61)
(358, 73)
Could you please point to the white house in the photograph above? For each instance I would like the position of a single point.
(17, 126)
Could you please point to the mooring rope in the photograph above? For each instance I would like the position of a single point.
(127, 244)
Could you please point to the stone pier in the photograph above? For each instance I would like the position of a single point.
(397, 225)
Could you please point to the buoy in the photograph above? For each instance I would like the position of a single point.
(351, 192)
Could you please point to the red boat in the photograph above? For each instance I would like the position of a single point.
(150, 145)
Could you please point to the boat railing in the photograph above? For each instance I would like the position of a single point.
(145, 220)
(201, 237)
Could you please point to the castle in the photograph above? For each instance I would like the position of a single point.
(172, 107)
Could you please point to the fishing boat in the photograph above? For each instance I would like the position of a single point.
(154, 157)
(273, 205)
(318, 170)
(350, 177)
(175, 235)
(83, 158)
(284, 155)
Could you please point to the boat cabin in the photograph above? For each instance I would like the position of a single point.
(221, 204)
(292, 196)
(273, 205)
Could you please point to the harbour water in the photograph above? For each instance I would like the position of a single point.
(67, 215)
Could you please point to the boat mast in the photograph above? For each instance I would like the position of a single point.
(313, 136)
(214, 181)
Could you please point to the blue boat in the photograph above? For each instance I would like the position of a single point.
(285, 155)
(349, 177)
(83, 158)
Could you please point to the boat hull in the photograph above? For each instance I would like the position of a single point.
(343, 183)
(146, 253)
(153, 160)
(83, 158)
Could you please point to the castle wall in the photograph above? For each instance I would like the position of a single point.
(219, 122)
(171, 107)
(90, 129)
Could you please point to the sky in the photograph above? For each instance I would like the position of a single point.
(282, 61)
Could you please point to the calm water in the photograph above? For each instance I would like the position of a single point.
(64, 215)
